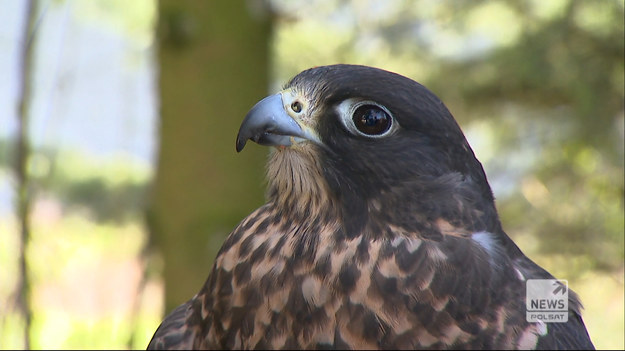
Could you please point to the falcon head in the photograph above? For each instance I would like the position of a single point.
(367, 141)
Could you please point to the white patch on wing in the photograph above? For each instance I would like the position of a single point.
(397, 240)
(519, 274)
(542, 328)
(528, 339)
(413, 244)
(489, 244)
(485, 240)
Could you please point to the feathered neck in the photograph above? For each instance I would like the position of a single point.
(296, 183)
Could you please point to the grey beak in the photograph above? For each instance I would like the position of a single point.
(268, 124)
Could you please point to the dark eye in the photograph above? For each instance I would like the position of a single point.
(371, 120)
(296, 106)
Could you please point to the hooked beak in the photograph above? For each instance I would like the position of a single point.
(269, 124)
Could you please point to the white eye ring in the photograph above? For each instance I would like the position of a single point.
(346, 110)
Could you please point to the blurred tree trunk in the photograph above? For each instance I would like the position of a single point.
(22, 154)
(214, 65)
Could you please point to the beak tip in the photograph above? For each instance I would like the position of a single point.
(240, 144)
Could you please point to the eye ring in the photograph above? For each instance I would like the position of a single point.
(296, 106)
(366, 118)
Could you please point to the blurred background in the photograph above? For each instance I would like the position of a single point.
(119, 178)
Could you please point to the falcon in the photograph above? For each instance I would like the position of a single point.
(379, 231)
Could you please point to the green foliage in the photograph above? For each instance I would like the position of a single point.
(109, 189)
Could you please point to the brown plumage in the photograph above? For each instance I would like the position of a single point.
(379, 232)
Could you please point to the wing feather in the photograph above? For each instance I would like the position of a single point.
(178, 330)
